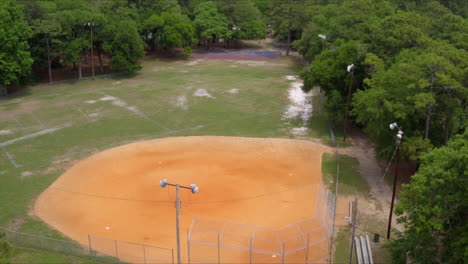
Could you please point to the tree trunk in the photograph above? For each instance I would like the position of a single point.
(80, 73)
(428, 121)
(447, 126)
(289, 42)
(74, 66)
(86, 57)
(101, 67)
(227, 43)
(429, 108)
(49, 62)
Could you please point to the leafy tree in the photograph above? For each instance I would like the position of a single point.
(209, 23)
(123, 45)
(328, 71)
(244, 18)
(15, 58)
(433, 208)
(152, 27)
(177, 31)
(49, 30)
(288, 17)
(417, 85)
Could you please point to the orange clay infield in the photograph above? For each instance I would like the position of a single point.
(115, 193)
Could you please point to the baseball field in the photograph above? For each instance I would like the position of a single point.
(83, 160)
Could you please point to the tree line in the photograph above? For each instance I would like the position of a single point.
(410, 62)
(46, 34)
(410, 66)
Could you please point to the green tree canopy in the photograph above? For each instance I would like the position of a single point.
(433, 208)
(123, 45)
(15, 58)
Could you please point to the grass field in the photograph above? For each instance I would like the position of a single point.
(350, 181)
(44, 130)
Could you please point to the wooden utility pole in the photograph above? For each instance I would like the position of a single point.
(354, 219)
(347, 103)
(394, 189)
(92, 54)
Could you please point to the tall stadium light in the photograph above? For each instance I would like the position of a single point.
(194, 189)
(323, 37)
(350, 68)
(90, 25)
(399, 137)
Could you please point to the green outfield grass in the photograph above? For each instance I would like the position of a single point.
(76, 120)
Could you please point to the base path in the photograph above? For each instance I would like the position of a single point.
(116, 193)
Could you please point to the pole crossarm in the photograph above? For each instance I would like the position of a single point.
(194, 189)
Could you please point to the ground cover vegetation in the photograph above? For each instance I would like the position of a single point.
(50, 34)
(410, 67)
(410, 62)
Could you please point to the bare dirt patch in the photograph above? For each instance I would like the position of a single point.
(202, 93)
(24, 107)
(181, 102)
(240, 179)
(5, 132)
(233, 91)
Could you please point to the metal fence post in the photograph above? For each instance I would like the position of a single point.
(172, 252)
(188, 247)
(219, 250)
(144, 254)
(90, 247)
(116, 251)
(251, 249)
(282, 255)
(307, 248)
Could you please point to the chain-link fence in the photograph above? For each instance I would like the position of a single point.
(104, 249)
(307, 241)
(45, 243)
(128, 251)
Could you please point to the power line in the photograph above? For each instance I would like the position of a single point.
(109, 197)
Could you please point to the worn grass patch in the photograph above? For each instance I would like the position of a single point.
(350, 181)
(159, 101)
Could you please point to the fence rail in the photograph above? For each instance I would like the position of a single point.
(103, 249)
(307, 241)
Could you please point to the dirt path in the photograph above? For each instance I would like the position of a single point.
(369, 168)
(373, 209)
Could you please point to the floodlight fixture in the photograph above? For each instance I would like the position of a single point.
(322, 36)
(163, 183)
(194, 189)
(399, 136)
(350, 67)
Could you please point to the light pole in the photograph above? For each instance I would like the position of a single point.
(90, 24)
(323, 37)
(399, 137)
(350, 68)
(194, 189)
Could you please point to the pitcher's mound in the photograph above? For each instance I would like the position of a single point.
(116, 193)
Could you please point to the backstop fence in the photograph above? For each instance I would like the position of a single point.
(307, 241)
(103, 249)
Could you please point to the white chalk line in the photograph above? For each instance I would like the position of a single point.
(22, 127)
(12, 160)
(39, 133)
(137, 112)
(41, 124)
(84, 113)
